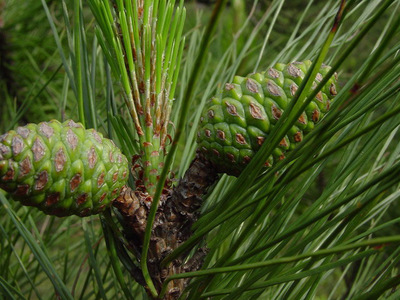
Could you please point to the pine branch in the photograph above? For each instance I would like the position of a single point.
(178, 210)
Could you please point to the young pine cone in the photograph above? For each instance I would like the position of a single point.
(61, 168)
(236, 122)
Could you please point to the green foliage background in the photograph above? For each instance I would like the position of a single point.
(42, 257)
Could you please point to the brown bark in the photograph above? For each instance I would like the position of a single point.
(178, 210)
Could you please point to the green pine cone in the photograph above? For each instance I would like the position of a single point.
(61, 168)
(236, 122)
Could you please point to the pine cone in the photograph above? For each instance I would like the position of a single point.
(61, 168)
(236, 122)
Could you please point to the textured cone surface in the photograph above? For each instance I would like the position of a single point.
(61, 168)
(237, 121)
